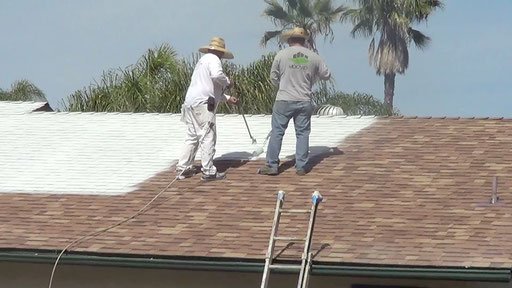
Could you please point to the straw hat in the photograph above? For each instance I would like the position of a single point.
(217, 44)
(295, 33)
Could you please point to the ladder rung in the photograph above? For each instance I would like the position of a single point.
(285, 267)
(293, 211)
(289, 238)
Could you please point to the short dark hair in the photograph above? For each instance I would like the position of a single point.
(298, 40)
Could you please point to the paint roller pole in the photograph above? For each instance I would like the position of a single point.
(239, 105)
(245, 121)
(246, 125)
(260, 149)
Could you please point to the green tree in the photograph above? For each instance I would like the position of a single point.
(22, 90)
(159, 80)
(315, 16)
(352, 104)
(156, 83)
(391, 21)
(252, 86)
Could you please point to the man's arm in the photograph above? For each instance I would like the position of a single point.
(323, 71)
(217, 74)
(275, 74)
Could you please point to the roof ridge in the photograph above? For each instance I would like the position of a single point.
(102, 113)
(20, 102)
(445, 117)
(266, 115)
(314, 115)
(179, 114)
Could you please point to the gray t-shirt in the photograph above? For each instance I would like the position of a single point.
(295, 70)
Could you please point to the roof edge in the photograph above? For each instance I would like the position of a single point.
(350, 117)
(246, 265)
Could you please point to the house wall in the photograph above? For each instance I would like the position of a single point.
(16, 275)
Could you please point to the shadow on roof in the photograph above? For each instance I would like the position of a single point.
(316, 155)
(223, 165)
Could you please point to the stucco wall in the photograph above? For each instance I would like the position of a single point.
(17, 275)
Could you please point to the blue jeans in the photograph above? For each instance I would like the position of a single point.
(282, 112)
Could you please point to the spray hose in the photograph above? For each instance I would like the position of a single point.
(99, 231)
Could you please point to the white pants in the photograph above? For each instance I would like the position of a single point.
(201, 133)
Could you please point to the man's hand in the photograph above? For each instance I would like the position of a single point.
(233, 100)
(231, 84)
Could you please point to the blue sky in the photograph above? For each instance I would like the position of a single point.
(63, 46)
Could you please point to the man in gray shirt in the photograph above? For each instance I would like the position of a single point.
(294, 70)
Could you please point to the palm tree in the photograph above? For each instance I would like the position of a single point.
(159, 80)
(315, 16)
(22, 90)
(156, 83)
(391, 21)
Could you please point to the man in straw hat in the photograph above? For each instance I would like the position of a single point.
(294, 70)
(206, 90)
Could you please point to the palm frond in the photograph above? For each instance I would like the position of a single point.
(304, 9)
(362, 28)
(371, 50)
(322, 7)
(292, 4)
(421, 9)
(316, 16)
(419, 39)
(275, 12)
(363, 22)
(325, 15)
(391, 55)
(269, 35)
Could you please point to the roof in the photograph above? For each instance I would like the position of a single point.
(398, 191)
(111, 154)
(22, 107)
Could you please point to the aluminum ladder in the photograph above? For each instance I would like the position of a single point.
(305, 267)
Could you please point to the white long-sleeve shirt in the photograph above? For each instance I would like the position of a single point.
(208, 80)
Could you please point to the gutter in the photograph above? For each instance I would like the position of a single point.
(243, 265)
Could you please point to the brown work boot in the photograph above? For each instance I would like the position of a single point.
(267, 170)
(301, 172)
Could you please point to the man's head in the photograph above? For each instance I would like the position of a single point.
(295, 36)
(296, 40)
(217, 47)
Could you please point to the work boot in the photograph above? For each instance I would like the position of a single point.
(187, 173)
(301, 172)
(267, 170)
(213, 177)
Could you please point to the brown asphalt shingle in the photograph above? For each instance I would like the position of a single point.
(401, 192)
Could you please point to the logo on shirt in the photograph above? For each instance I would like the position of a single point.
(300, 60)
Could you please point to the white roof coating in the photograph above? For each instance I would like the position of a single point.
(110, 153)
(19, 107)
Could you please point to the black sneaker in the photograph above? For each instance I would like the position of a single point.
(213, 177)
(267, 170)
(182, 174)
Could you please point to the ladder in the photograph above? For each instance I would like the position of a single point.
(305, 267)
